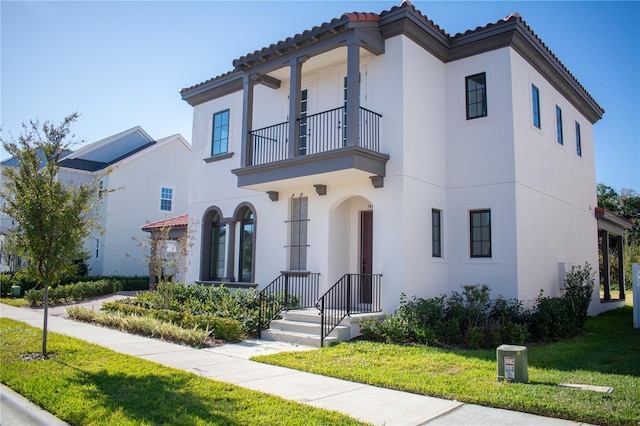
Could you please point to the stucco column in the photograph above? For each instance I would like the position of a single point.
(295, 90)
(353, 93)
(231, 248)
(248, 82)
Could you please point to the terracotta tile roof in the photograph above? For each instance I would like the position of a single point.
(173, 222)
(362, 17)
(517, 19)
(341, 24)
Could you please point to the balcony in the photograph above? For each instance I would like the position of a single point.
(323, 147)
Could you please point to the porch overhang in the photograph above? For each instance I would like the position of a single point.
(347, 163)
(611, 222)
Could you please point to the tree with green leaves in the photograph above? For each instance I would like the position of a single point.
(51, 217)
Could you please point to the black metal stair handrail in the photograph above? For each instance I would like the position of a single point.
(291, 290)
(352, 294)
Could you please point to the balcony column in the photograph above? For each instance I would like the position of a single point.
(248, 81)
(353, 93)
(231, 248)
(295, 91)
(620, 245)
(605, 273)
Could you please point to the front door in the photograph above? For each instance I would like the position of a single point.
(366, 255)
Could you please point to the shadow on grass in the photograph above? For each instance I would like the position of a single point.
(610, 345)
(154, 399)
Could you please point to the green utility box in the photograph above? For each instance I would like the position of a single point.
(15, 290)
(512, 363)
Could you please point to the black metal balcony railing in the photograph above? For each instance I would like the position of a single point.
(321, 132)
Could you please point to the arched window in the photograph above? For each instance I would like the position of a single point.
(218, 244)
(247, 236)
(213, 254)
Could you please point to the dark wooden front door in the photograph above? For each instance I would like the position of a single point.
(366, 255)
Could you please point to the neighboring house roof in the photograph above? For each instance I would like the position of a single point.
(181, 221)
(406, 19)
(108, 151)
(611, 221)
(14, 161)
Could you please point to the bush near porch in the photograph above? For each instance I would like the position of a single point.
(471, 319)
(226, 314)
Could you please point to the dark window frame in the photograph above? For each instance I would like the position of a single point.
(578, 140)
(436, 233)
(217, 142)
(535, 106)
(247, 240)
(472, 93)
(559, 130)
(218, 250)
(476, 235)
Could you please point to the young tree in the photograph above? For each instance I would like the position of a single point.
(51, 217)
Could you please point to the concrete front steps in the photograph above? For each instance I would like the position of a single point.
(302, 327)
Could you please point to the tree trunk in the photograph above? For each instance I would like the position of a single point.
(46, 315)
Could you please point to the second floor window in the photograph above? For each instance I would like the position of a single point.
(535, 105)
(578, 140)
(476, 91)
(166, 199)
(220, 137)
(559, 135)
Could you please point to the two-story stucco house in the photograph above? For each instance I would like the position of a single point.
(379, 154)
(149, 182)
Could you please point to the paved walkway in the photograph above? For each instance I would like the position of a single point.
(230, 363)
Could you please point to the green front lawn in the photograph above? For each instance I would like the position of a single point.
(606, 355)
(87, 384)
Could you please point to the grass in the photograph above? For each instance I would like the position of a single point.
(606, 355)
(14, 301)
(85, 384)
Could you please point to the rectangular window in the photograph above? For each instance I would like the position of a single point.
(578, 140)
(436, 233)
(166, 198)
(559, 136)
(298, 221)
(476, 100)
(480, 233)
(535, 100)
(220, 138)
(97, 247)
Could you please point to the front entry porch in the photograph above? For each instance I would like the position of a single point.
(291, 310)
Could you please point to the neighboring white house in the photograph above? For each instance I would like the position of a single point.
(377, 143)
(149, 180)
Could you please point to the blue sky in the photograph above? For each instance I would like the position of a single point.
(122, 64)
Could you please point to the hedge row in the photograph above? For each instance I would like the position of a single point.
(71, 292)
(25, 283)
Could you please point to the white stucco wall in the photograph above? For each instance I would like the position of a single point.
(540, 194)
(136, 201)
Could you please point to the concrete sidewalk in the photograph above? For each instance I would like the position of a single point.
(230, 363)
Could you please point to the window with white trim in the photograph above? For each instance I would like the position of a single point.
(166, 199)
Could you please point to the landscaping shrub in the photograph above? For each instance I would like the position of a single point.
(190, 314)
(71, 292)
(146, 326)
(5, 284)
(472, 318)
